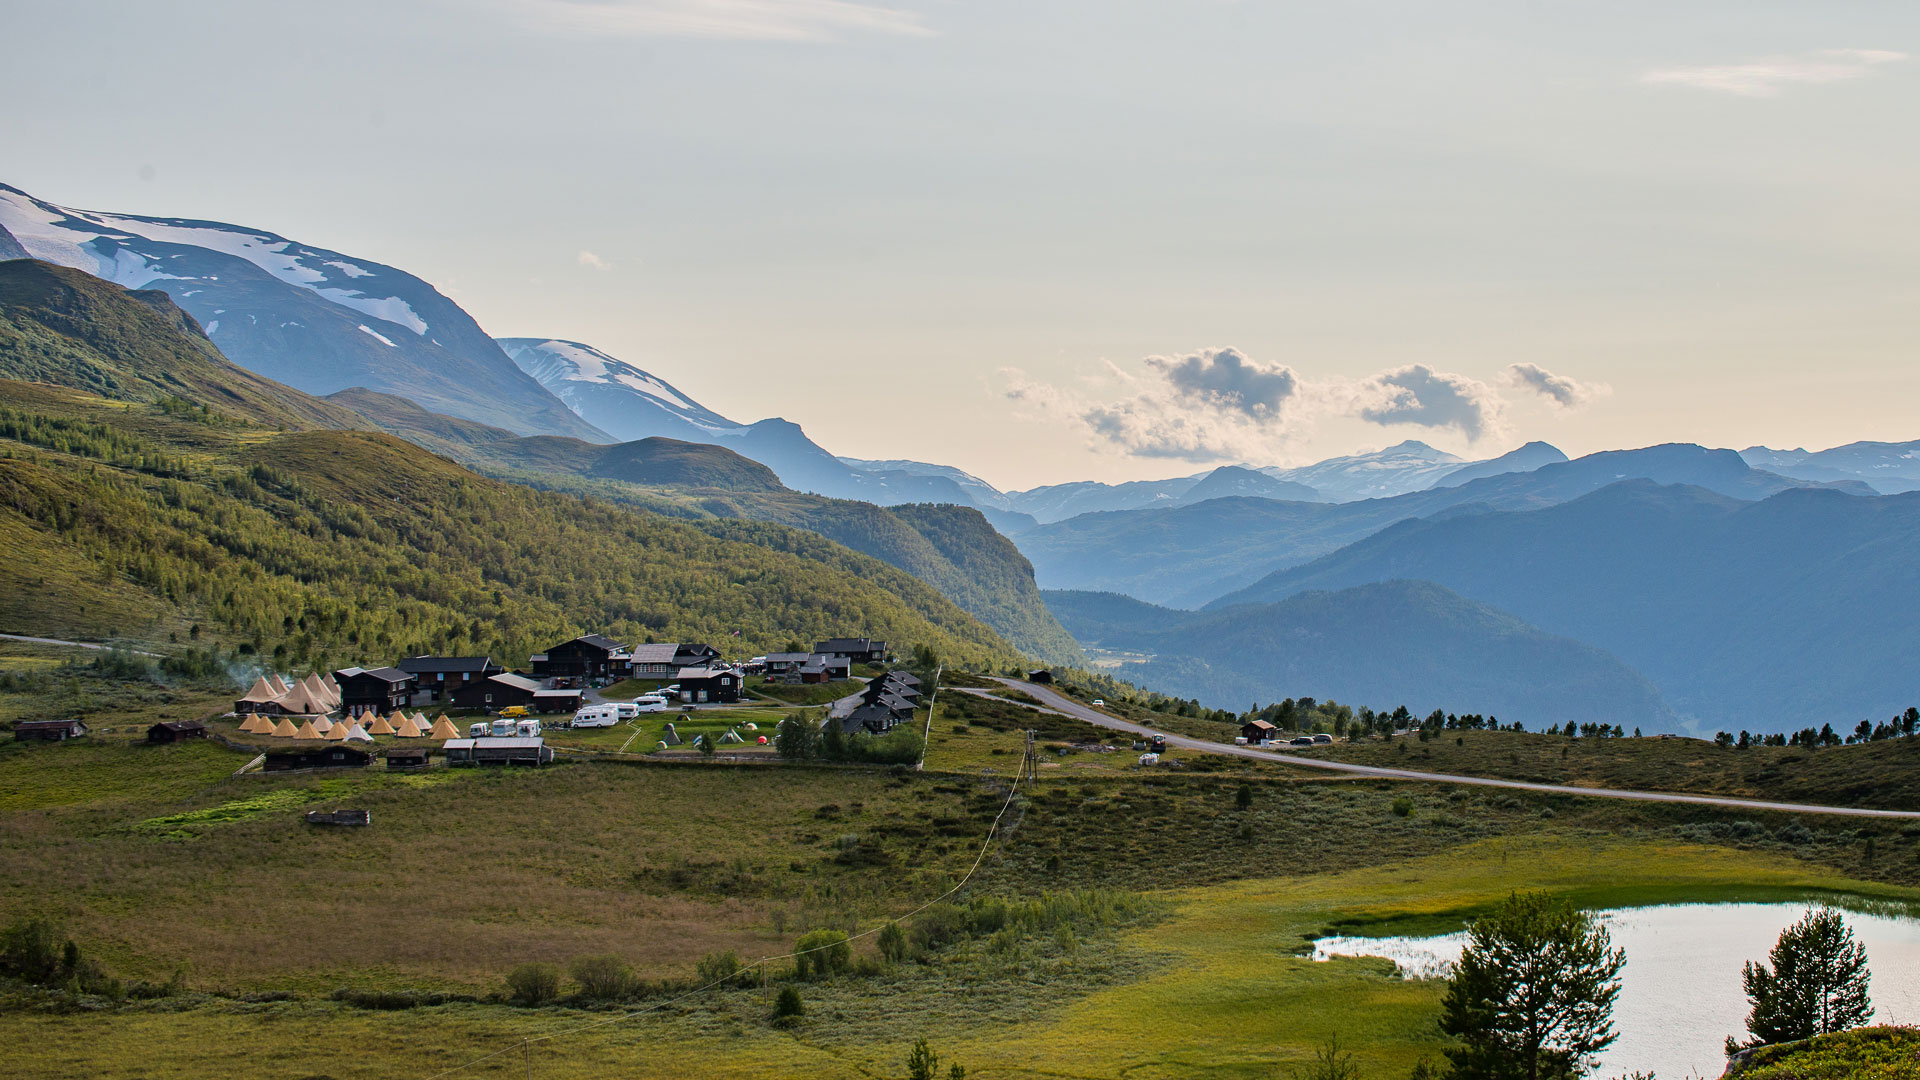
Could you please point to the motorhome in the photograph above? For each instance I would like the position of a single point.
(650, 703)
(594, 716)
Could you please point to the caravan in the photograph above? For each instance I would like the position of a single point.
(597, 716)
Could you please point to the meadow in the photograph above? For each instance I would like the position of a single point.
(157, 859)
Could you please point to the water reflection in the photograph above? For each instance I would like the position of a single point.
(1681, 994)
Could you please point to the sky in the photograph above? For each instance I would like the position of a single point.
(1087, 239)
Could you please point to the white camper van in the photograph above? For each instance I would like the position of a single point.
(650, 703)
(597, 716)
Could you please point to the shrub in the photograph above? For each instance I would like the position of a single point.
(788, 1008)
(893, 943)
(533, 984)
(28, 951)
(603, 978)
(1403, 807)
(823, 954)
(720, 967)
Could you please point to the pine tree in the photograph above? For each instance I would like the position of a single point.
(1533, 993)
(1817, 984)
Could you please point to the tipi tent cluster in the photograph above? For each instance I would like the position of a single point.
(315, 695)
(361, 729)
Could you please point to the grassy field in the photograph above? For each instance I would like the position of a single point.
(805, 694)
(157, 859)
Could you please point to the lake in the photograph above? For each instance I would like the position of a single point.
(1681, 995)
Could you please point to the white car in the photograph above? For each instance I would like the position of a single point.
(1099, 703)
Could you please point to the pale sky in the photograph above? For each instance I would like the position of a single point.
(1176, 231)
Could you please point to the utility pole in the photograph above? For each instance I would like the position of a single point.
(1030, 765)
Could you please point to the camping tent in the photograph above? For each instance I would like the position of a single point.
(318, 689)
(284, 729)
(381, 726)
(260, 693)
(331, 683)
(307, 731)
(408, 729)
(338, 732)
(443, 729)
(301, 701)
(276, 684)
(358, 734)
(322, 724)
(248, 721)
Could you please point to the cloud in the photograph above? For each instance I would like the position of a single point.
(1225, 379)
(1566, 392)
(1417, 394)
(1220, 405)
(593, 262)
(1767, 76)
(761, 20)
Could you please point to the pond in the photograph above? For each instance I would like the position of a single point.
(1681, 994)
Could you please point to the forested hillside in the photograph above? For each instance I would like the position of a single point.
(953, 548)
(177, 511)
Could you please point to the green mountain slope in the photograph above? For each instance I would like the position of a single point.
(954, 549)
(61, 326)
(1409, 643)
(131, 516)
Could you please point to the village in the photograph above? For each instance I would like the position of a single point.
(589, 693)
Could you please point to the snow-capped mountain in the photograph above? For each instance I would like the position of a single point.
(633, 403)
(315, 319)
(1410, 466)
(613, 395)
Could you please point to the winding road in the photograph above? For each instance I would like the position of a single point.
(1061, 705)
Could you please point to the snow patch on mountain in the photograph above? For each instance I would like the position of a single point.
(563, 366)
(104, 245)
(382, 338)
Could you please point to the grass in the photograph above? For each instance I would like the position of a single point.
(156, 858)
(1215, 987)
(1880, 1053)
(806, 693)
(1882, 774)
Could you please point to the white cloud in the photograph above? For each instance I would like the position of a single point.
(593, 262)
(1564, 391)
(1418, 395)
(1767, 76)
(1219, 405)
(763, 20)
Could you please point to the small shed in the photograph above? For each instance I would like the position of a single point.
(1042, 677)
(173, 731)
(1257, 731)
(408, 757)
(48, 730)
(329, 757)
(517, 750)
(339, 817)
(558, 700)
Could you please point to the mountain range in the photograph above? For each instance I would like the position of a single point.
(1790, 610)
(306, 317)
(1383, 644)
(153, 488)
(1186, 556)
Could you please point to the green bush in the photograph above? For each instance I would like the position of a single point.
(603, 978)
(533, 984)
(788, 1008)
(823, 954)
(893, 943)
(720, 967)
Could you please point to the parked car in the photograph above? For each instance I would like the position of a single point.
(515, 712)
(1304, 740)
(1099, 703)
(1322, 740)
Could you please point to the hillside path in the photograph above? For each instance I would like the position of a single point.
(1061, 705)
(74, 644)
